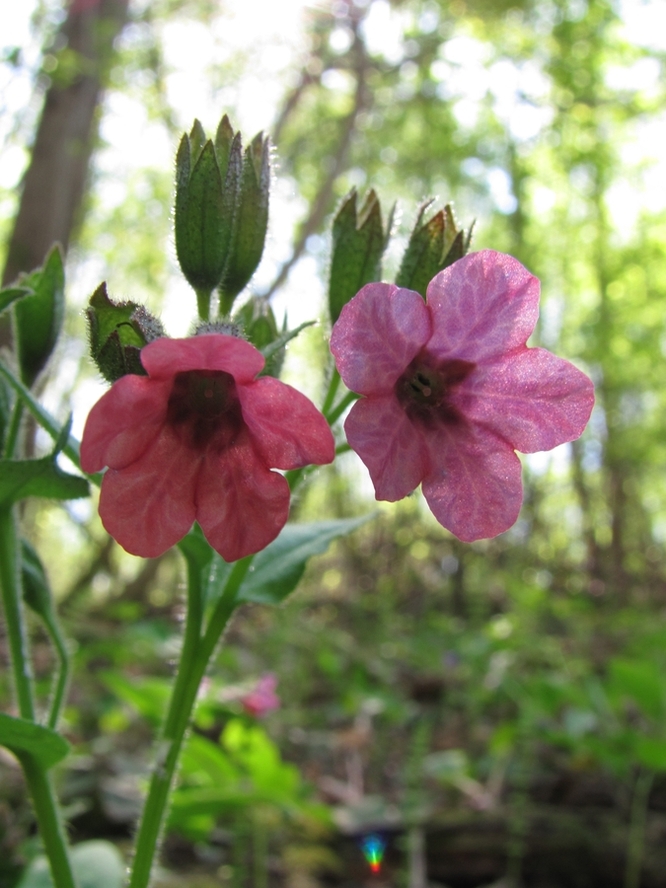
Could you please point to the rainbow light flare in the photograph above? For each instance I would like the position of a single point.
(373, 847)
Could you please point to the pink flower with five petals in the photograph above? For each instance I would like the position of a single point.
(452, 391)
(196, 440)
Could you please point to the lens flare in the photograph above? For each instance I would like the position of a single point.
(373, 847)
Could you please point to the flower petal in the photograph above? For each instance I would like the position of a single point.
(377, 335)
(534, 400)
(476, 489)
(124, 423)
(392, 448)
(164, 357)
(288, 430)
(148, 506)
(241, 505)
(484, 305)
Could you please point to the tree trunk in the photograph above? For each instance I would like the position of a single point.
(54, 182)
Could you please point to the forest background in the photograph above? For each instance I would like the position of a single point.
(495, 710)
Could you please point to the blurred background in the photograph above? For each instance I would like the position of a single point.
(430, 713)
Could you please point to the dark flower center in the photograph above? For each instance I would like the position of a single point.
(425, 387)
(204, 408)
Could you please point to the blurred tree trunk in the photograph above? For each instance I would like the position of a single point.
(54, 182)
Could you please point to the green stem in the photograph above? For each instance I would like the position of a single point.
(62, 679)
(49, 822)
(203, 304)
(14, 427)
(332, 389)
(39, 785)
(193, 662)
(12, 600)
(337, 411)
(636, 838)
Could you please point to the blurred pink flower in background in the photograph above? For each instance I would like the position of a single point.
(196, 440)
(262, 698)
(452, 390)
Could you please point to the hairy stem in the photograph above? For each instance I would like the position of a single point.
(194, 659)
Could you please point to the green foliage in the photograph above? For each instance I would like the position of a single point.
(277, 570)
(24, 737)
(96, 864)
(39, 315)
(20, 478)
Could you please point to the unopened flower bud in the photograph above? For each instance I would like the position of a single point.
(432, 247)
(359, 241)
(118, 331)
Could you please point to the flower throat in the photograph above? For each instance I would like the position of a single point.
(424, 389)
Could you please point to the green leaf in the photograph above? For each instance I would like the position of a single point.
(8, 295)
(25, 737)
(36, 587)
(44, 418)
(641, 681)
(96, 864)
(39, 316)
(20, 478)
(277, 570)
(651, 753)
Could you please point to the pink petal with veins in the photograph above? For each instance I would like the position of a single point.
(394, 451)
(534, 400)
(287, 428)
(475, 491)
(377, 335)
(483, 306)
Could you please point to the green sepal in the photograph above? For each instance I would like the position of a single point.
(250, 221)
(257, 320)
(118, 331)
(359, 241)
(274, 351)
(197, 140)
(202, 227)
(20, 478)
(23, 737)
(432, 247)
(39, 315)
(224, 138)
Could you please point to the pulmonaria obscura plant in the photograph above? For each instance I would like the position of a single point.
(201, 444)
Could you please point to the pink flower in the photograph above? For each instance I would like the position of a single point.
(262, 698)
(196, 440)
(451, 390)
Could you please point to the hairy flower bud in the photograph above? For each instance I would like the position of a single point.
(432, 247)
(359, 241)
(118, 331)
(221, 211)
